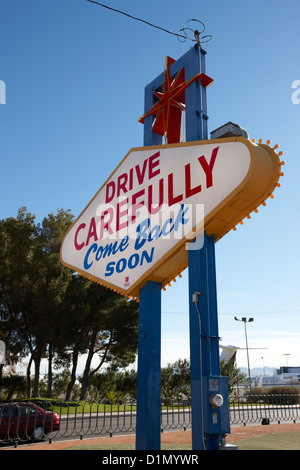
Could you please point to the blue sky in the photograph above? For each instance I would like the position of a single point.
(75, 75)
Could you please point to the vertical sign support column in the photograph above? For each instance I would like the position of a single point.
(204, 337)
(207, 424)
(148, 424)
(148, 382)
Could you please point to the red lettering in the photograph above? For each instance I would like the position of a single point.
(209, 168)
(122, 181)
(171, 199)
(120, 214)
(189, 191)
(109, 197)
(130, 179)
(136, 206)
(106, 224)
(151, 210)
(77, 246)
(153, 164)
(134, 177)
(92, 231)
(141, 174)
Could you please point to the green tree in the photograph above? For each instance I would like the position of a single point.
(175, 381)
(16, 281)
(32, 283)
(53, 282)
(112, 329)
(75, 311)
(46, 310)
(50, 279)
(102, 384)
(11, 384)
(235, 376)
(126, 382)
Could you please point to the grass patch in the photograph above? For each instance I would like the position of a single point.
(279, 441)
(87, 409)
(78, 408)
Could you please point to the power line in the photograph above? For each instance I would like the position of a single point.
(137, 19)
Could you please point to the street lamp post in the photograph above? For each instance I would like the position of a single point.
(244, 320)
(263, 362)
(287, 363)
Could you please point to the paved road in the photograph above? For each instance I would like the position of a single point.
(115, 423)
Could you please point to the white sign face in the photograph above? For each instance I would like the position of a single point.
(155, 201)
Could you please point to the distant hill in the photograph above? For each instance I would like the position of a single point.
(259, 371)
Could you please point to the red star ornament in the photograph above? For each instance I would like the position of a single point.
(171, 102)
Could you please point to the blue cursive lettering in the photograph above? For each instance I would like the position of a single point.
(156, 232)
(104, 251)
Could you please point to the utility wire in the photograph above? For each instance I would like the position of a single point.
(137, 19)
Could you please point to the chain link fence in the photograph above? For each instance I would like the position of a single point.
(41, 419)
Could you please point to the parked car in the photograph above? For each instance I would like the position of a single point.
(26, 420)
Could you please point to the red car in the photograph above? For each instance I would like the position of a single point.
(26, 420)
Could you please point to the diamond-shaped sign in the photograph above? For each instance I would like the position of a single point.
(137, 226)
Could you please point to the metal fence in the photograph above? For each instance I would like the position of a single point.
(60, 420)
(265, 409)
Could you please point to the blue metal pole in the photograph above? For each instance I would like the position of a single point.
(208, 425)
(149, 340)
(195, 97)
(204, 340)
(149, 358)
